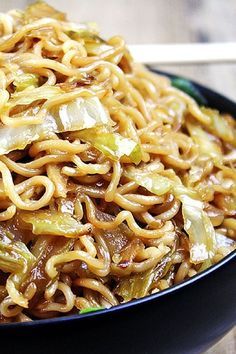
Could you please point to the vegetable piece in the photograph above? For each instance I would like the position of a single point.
(87, 31)
(53, 223)
(221, 241)
(94, 44)
(113, 145)
(195, 174)
(44, 248)
(15, 258)
(96, 48)
(41, 9)
(207, 144)
(152, 181)
(17, 138)
(22, 81)
(219, 126)
(187, 87)
(158, 184)
(31, 94)
(206, 264)
(224, 241)
(90, 309)
(227, 203)
(116, 239)
(136, 286)
(82, 113)
(139, 285)
(13, 254)
(128, 254)
(199, 229)
(76, 115)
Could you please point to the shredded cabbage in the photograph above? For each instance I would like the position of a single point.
(14, 255)
(22, 81)
(82, 113)
(206, 142)
(199, 229)
(152, 181)
(113, 145)
(52, 223)
(156, 183)
(139, 285)
(27, 96)
(15, 258)
(76, 115)
(219, 126)
(96, 48)
(45, 247)
(41, 9)
(135, 286)
(94, 44)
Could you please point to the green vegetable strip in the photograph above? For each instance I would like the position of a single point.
(136, 286)
(53, 223)
(113, 145)
(187, 87)
(90, 309)
(206, 142)
(219, 126)
(22, 81)
(15, 258)
(153, 182)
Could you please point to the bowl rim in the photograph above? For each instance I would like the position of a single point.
(149, 298)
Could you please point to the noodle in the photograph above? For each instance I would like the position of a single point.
(113, 183)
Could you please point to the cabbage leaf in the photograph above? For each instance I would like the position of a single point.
(40, 9)
(29, 95)
(152, 181)
(76, 115)
(135, 286)
(24, 80)
(112, 145)
(15, 258)
(139, 285)
(206, 142)
(199, 229)
(220, 126)
(53, 223)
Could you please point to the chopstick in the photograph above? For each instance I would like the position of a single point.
(190, 53)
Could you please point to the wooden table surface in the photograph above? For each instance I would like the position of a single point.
(165, 21)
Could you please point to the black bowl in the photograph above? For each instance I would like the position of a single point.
(187, 318)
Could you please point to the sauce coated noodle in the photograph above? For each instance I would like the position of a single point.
(114, 184)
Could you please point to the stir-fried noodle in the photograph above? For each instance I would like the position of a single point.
(114, 184)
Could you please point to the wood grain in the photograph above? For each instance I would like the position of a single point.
(165, 21)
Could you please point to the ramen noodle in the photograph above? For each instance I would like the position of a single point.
(114, 183)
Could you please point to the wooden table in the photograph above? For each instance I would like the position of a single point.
(165, 21)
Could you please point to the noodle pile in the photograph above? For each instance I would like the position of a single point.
(114, 184)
